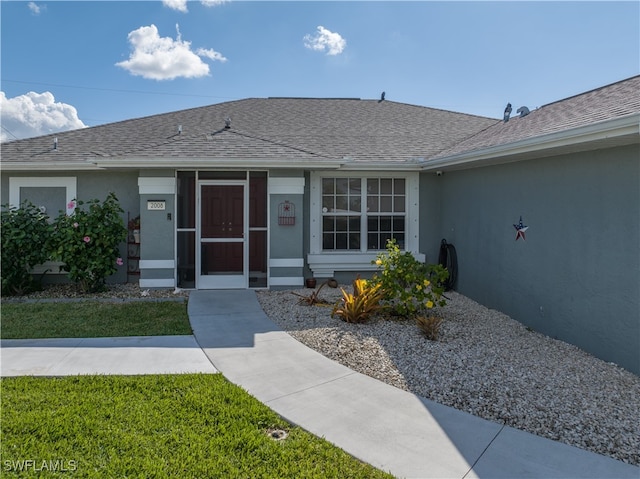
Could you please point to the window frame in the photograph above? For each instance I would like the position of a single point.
(411, 213)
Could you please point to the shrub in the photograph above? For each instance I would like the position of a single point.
(25, 234)
(313, 297)
(430, 326)
(359, 306)
(87, 242)
(410, 287)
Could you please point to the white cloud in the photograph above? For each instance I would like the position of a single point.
(35, 9)
(163, 58)
(35, 114)
(212, 3)
(180, 5)
(323, 40)
(211, 54)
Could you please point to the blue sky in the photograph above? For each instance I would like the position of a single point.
(69, 64)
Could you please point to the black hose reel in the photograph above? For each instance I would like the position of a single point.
(449, 260)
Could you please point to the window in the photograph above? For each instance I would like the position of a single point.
(347, 226)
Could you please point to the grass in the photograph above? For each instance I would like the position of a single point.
(187, 426)
(93, 319)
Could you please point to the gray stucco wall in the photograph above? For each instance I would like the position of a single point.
(93, 185)
(577, 275)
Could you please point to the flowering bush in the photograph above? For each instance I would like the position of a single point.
(87, 241)
(25, 232)
(410, 287)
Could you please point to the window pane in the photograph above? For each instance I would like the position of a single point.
(341, 240)
(354, 203)
(384, 237)
(385, 223)
(354, 186)
(398, 204)
(258, 199)
(342, 186)
(372, 224)
(354, 241)
(257, 259)
(398, 186)
(398, 223)
(328, 203)
(372, 186)
(327, 241)
(399, 237)
(372, 204)
(341, 203)
(372, 241)
(385, 204)
(327, 186)
(341, 223)
(186, 201)
(386, 186)
(328, 224)
(186, 252)
(354, 223)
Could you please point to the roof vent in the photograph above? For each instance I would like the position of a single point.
(507, 112)
(523, 110)
(179, 129)
(55, 143)
(381, 97)
(227, 123)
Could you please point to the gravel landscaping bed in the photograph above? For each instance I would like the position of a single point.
(484, 363)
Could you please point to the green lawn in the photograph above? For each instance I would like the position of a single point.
(92, 319)
(183, 426)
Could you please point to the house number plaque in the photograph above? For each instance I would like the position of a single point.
(156, 205)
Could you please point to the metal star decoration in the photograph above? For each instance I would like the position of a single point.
(520, 230)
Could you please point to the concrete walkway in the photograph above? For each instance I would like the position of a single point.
(391, 429)
(130, 355)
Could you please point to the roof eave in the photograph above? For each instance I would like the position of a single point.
(626, 126)
(48, 166)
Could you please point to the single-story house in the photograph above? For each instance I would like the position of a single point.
(543, 209)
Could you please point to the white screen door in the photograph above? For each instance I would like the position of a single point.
(222, 248)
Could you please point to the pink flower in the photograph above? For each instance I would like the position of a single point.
(75, 225)
(71, 205)
(86, 239)
(119, 262)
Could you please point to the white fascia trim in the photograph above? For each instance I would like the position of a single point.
(286, 281)
(217, 163)
(67, 182)
(156, 185)
(65, 166)
(286, 262)
(157, 283)
(286, 186)
(624, 126)
(157, 264)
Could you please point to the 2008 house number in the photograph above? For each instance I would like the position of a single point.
(156, 205)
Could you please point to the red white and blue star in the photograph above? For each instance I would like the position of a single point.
(520, 230)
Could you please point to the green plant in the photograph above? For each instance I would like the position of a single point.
(358, 306)
(430, 326)
(410, 286)
(87, 241)
(25, 234)
(313, 297)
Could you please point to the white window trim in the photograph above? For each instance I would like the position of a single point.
(67, 182)
(324, 263)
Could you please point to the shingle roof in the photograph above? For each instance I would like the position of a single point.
(297, 130)
(605, 103)
(274, 128)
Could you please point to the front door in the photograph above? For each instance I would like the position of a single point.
(221, 235)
